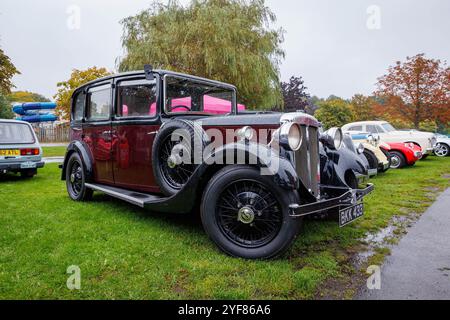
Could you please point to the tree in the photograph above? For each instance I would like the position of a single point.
(417, 90)
(363, 107)
(66, 88)
(26, 96)
(294, 94)
(7, 71)
(5, 108)
(334, 113)
(225, 40)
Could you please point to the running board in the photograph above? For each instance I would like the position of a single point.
(136, 198)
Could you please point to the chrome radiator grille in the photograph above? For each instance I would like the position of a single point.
(307, 160)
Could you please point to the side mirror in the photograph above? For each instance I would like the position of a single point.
(148, 69)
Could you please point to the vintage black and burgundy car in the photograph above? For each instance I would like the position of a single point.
(172, 143)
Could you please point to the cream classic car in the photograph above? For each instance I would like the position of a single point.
(387, 133)
(377, 159)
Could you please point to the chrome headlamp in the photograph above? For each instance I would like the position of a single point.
(290, 136)
(360, 148)
(245, 133)
(333, 138)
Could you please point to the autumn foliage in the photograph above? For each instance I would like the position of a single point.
(66, 88)
(415, 91)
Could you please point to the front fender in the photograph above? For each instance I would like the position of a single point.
(250, 153)
(82, 149)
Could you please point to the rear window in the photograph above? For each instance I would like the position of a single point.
(11, 133)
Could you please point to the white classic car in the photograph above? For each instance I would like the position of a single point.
(442, 148)
(426, 140)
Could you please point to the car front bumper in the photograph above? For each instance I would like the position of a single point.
(17, 166)
(340, 198)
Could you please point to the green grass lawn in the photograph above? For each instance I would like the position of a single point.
(125, 252)
(54, 151)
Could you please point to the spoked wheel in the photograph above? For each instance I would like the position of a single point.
(173, 154)
(247, 215)
(442, 150)
(174, 171)
(75, 179)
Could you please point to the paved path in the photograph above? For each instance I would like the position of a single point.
(53, 159)
(54, 144)
(419, 267)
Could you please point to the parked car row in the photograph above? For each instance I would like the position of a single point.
(173, 143)
(400, 148)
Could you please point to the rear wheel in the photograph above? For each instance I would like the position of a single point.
(28, 173)
(397, 160)
(442, 150)
(246, 215)
(76, 179)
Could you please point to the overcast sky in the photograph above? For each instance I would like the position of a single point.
(338, 47)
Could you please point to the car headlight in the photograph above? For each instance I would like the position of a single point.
(360, 148)
(245, 133)
(290, 136)
(333, 138)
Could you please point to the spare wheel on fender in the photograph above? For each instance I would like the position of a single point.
(175, 149)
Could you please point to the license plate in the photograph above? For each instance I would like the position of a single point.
(350, 214)
(9, 153)
(28, 165)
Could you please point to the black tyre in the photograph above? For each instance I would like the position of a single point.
(424, 156)
(175, 142)
(247, 215)
(29, 173)
(442, 150)
(371, 158)
(76, 179)
(397, 160)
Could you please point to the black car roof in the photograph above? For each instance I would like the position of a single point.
(160, 72)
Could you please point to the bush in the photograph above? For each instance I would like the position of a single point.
(334, 113)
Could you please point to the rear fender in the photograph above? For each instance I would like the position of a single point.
(82, 149)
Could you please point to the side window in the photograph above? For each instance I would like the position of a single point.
(78, 107)
(380, 129)
(136, 99)
(371, 128)
(99, 106)
(356, 128)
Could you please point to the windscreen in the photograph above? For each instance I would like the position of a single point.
(190, 96)
(11, 133)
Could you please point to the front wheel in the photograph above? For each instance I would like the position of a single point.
(442, 150)
(247, 215)
(397, 160)
(76, 179)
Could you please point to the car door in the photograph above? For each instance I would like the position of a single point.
(97, 131)
(136, 123)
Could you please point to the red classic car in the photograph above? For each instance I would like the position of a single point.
(403, 154)
(154, 138)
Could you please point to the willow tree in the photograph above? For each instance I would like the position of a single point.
(226, 40)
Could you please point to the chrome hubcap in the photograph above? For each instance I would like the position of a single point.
(246, 215)
(72, 178)
(395, 162)
(441, 150)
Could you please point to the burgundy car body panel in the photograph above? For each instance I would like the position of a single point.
(99, 141)
(132, 157)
